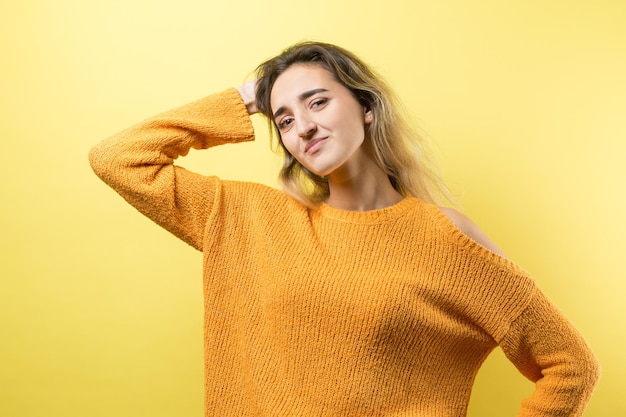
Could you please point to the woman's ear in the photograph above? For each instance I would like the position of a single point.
(369, 116)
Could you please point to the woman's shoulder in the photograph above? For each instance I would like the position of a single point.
(259, 199)
(470, 229)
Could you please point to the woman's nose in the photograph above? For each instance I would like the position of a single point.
(306, 127)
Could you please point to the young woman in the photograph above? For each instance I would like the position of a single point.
(351, 293)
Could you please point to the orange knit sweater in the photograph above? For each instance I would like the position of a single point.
(332, 313)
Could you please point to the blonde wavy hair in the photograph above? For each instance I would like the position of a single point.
(391, 141)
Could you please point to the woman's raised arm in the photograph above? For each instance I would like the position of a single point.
(139, 161)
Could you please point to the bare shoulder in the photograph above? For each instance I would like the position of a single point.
(470, 229)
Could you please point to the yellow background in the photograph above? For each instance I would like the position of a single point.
(101, 311)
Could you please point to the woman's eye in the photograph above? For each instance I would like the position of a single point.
(318, 102)
(285, 123)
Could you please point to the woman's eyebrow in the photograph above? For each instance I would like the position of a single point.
(301, 97)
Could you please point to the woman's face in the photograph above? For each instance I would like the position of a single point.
(320, 122)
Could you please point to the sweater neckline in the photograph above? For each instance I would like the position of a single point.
(369, 216)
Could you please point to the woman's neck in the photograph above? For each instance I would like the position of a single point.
(366, 189)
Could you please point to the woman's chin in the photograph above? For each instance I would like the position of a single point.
(320, 171)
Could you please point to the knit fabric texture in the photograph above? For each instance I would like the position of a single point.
(331, 313)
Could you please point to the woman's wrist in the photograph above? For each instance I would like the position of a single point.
(247, 93)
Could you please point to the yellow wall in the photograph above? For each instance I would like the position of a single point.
(101, 311)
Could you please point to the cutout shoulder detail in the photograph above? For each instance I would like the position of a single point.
(463, 231)
(471, 229)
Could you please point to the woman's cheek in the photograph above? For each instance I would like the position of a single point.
(289, 145)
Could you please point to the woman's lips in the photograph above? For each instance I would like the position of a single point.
(314, 145)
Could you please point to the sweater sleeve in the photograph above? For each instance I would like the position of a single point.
(549, 351)
(139, 161)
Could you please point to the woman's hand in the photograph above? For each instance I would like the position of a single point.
(247, 93)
